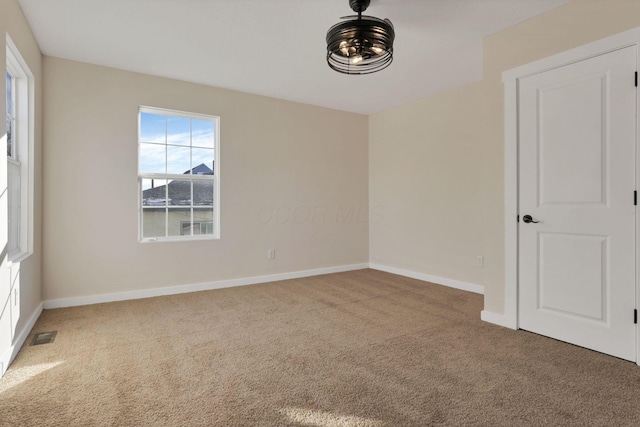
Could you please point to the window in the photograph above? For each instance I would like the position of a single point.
(178, 175)
(20, 136)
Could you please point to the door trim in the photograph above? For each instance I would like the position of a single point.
(511, 177)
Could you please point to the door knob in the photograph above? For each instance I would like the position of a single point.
(527, 219)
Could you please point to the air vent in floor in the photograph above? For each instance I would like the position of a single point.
(44, 338)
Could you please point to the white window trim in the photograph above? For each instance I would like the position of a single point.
(215, 178)
(25, 132)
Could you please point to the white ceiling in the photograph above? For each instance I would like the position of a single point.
(277, 47)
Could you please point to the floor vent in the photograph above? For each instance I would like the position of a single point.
(44, 338)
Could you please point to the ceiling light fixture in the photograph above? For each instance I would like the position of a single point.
(360, 44)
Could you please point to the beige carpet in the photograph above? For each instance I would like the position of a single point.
(363, 348)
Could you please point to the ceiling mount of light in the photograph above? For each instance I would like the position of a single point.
(360, 44)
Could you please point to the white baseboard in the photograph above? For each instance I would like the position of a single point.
(19, 340)
(457, 284)
(182, 289)
(497, 319)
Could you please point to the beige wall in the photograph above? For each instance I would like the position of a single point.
(293, 178)
(26, 276)
(426, 180)
(436, 165)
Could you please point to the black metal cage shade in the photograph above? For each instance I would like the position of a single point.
(360, 46)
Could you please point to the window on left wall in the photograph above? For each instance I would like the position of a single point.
(20, 141)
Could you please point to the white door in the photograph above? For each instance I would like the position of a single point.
(577, 127)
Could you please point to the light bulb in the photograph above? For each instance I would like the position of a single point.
(344, 49)
(355, 59)
(377, 50)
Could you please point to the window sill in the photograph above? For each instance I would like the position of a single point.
(178, 239)
(17, 257)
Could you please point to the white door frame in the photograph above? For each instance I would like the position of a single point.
(511, 177)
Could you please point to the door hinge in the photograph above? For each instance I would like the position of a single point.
(635, 316)
(636, 79)
(518, 218)
(635, 198)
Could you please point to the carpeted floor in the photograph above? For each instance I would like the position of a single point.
(362, 348)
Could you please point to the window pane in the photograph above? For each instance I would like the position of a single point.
(179, 131)
(9, 136)
(14, 206)
(178, 160)
(9, 92)
(180, 193)
(202, 228)
(154, 192)
(153, 158)
(177, 218)
(9, 144)
(185, 228)
(10, 115)
(153, 128)
(205, 218)
(203, 156)
(202, 133)
(203, 193)
(154, 222)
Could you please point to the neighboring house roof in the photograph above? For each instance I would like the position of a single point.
(179, 192)
(201, 169)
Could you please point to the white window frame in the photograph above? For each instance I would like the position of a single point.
(24, 135)
(215, 178)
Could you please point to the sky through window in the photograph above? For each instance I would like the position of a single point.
(175, 145)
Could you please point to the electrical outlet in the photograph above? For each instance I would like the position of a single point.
(480, 261)
(271, 253)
